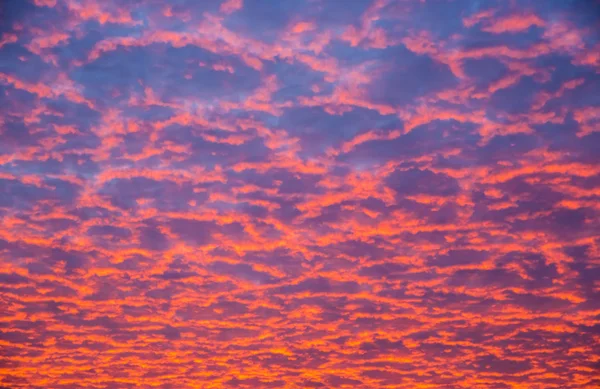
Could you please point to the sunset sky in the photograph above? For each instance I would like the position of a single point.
(300, 194)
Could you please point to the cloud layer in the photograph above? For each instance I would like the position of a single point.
(318, 194)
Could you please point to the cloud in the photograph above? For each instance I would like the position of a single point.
(230, 6)
(319, 194)
(513, 23)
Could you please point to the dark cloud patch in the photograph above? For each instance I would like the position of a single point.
(109, 231)
(167, 195)
(12, 279)
(430, 138)
(319, 285)
(506, 148)
(409, 77)
(153, 239)
(162, 68)
(416, 181)
(20, 195)
(193, 231)
(497, 278)
(319, 130)
(385, 270)
(485, 70)
(459, 257)
(500, 365)
(243, 271)
(267, 23)
(515, 99)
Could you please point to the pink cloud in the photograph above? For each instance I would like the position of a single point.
(230, 6)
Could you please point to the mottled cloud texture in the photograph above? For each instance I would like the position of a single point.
(299, 194)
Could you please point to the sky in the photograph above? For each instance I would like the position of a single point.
(300, 194)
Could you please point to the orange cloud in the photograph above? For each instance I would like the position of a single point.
(513, 23)
(230, 6)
